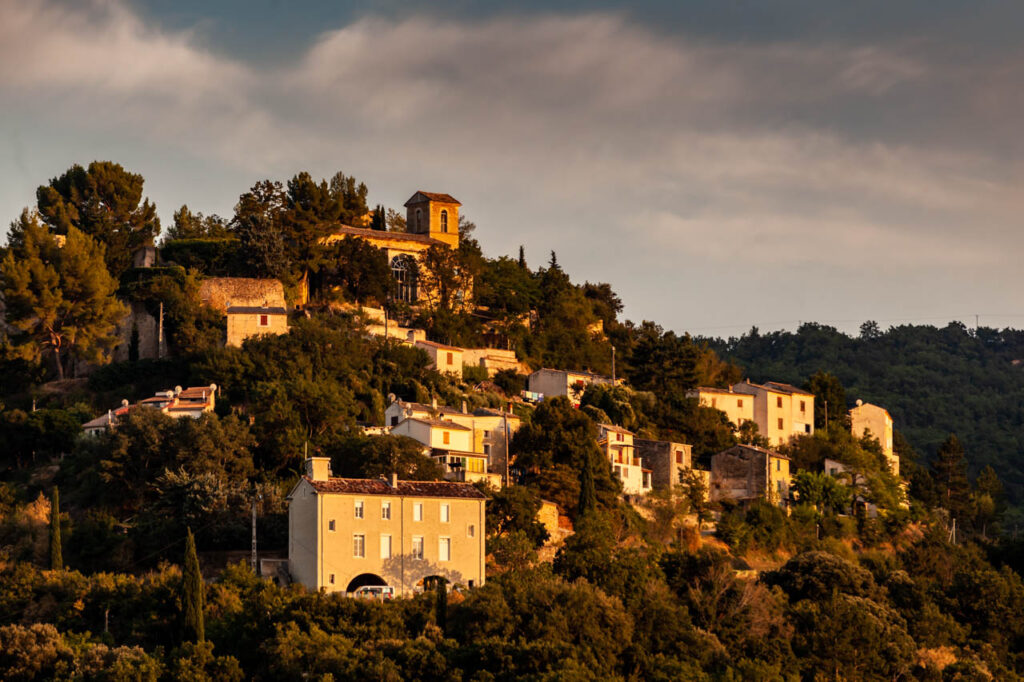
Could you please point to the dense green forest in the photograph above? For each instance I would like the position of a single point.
(102, 539)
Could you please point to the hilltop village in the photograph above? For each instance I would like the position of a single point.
(384, 455)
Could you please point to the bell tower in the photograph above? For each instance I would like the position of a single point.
(434, 214)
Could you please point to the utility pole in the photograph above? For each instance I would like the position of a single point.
(826, 417)
(505, 429)
(613, 365)
(255, 567)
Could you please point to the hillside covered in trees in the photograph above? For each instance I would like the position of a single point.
(933, 381)
(102, 537)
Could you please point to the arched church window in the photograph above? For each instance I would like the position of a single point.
(444, 221)
(403, 268)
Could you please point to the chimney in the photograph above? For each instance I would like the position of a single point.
(433, 402)
(393, 480)
(318, 468)
(463, 407)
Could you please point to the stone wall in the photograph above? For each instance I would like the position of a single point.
(148, 328)
(221, 292)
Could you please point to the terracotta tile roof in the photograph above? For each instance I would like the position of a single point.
(253, 310)
(434, 344)
(579, 372)
(785, 388)
(709, 389)
(436, 196)
(615, 429)
(488, 412)
(369, 486)
(754, 448)
(440, 423)
(776, 387)
(380, 234)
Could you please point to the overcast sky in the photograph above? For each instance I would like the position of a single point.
(721, 164)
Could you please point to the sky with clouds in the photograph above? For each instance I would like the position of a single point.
(722, 164)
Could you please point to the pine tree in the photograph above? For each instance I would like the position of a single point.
(105, 202)
(56, 555)
(192, 593)
(588, 494)
(59, 295)
(949, 470)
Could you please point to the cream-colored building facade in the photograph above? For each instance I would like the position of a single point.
(445, 359)
(488, 427)
(618, 447)
(781, 411)
(454, 446)
(345, 533)
(248, 321)
(868, 418)
(738, 407)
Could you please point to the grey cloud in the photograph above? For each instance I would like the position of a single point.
(568, 132)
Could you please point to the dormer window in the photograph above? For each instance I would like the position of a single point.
(444, 221)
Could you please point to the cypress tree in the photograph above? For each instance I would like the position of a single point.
(588, 495)
(56, 555)
(192, 596)
(522, 257)
(441, 606)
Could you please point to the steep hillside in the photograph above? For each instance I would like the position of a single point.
(933, 381)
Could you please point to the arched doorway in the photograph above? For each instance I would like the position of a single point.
(364, 579)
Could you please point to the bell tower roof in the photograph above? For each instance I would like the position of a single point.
(421, 197)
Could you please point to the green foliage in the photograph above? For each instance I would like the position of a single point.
(189, 225)
(825, 493)
(213, 257)
(359, 270)
(192, 596)
(59, 298)
(117, 469)
(949, 471)
(376, 456)
(513, 509)
(555, 447)
(829, 401)
(102, 202)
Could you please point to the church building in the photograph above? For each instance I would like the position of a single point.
(432, 219)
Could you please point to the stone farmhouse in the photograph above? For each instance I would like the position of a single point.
(745, 473)
(346, 533)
